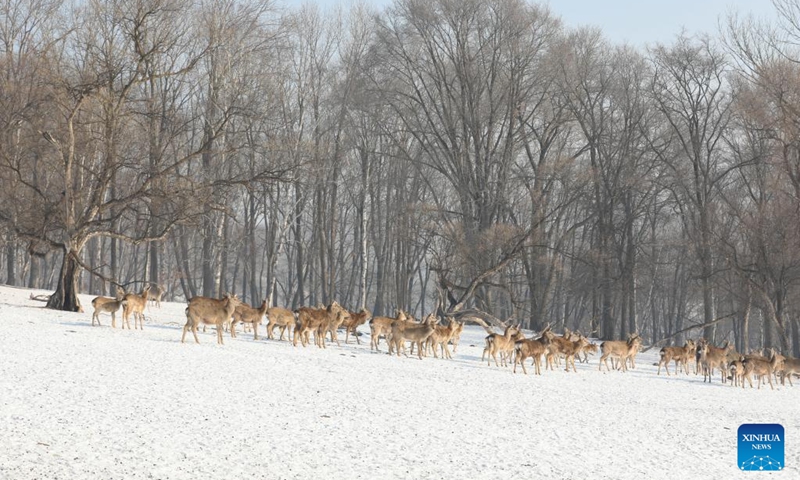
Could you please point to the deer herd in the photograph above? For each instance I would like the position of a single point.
(429, 336)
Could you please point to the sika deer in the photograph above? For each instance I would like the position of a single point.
(736, 368)
(457, 335)
(383, 326)
(336, 317)
(525, 349)
(762, 368)
(620, 349)
(280, 317)
(504, 344)
(571, 350)
(135, 304)
(712, 357)
(108, 305)
(209, 311)
(416, 333)
(244, 313)
(791, 366)
(679, 354)
(441, 337)
(354, 321)
(309, 320)
(156, 293)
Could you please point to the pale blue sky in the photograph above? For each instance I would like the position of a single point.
(638, 22)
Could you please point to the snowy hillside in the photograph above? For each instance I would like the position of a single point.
(94, 402)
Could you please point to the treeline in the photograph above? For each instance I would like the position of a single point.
(472, 157)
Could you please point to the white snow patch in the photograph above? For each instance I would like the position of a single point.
(94, 402)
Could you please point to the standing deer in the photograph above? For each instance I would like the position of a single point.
(712, 357)
(619, 349)
(417, 333)
(156, 294)
(503, 344)
(135, 304)
(209, 311)
(441, 337)
(108, 305)
(679, 354)
(383, 326)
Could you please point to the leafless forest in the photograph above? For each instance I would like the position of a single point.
(473, 157)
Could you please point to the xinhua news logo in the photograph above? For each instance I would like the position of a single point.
(761, 447)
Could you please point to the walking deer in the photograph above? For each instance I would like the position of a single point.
(280, 317)
(791, 366)
(352, 323)
(762, 368)
(246, 314)
(528, 348)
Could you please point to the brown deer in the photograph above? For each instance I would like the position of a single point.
(280, 317)
(456, 337)
(108, 305)
(619, 349)
(679, 354)
(526, 348)
(417, 333)
(246, 314)
(135, 304)
(712, 357)
(354, 321)
(383, 326)
(209, 311)
(336, 317)
(571, 350)
(736, 368)
(503, 344)
(791, 366)
(309, 320)
(762, 368)
(441, 337)
(156, 294)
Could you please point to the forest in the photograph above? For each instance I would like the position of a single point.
(474, 158)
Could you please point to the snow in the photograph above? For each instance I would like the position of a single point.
(94, 402)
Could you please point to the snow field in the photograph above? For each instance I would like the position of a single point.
(94, 402)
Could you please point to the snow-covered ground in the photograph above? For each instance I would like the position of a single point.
(94, 402)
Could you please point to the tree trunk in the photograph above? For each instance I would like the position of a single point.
(35, 272)
(66, 295)
(11, 259)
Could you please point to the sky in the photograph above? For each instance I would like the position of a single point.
(638, 22)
